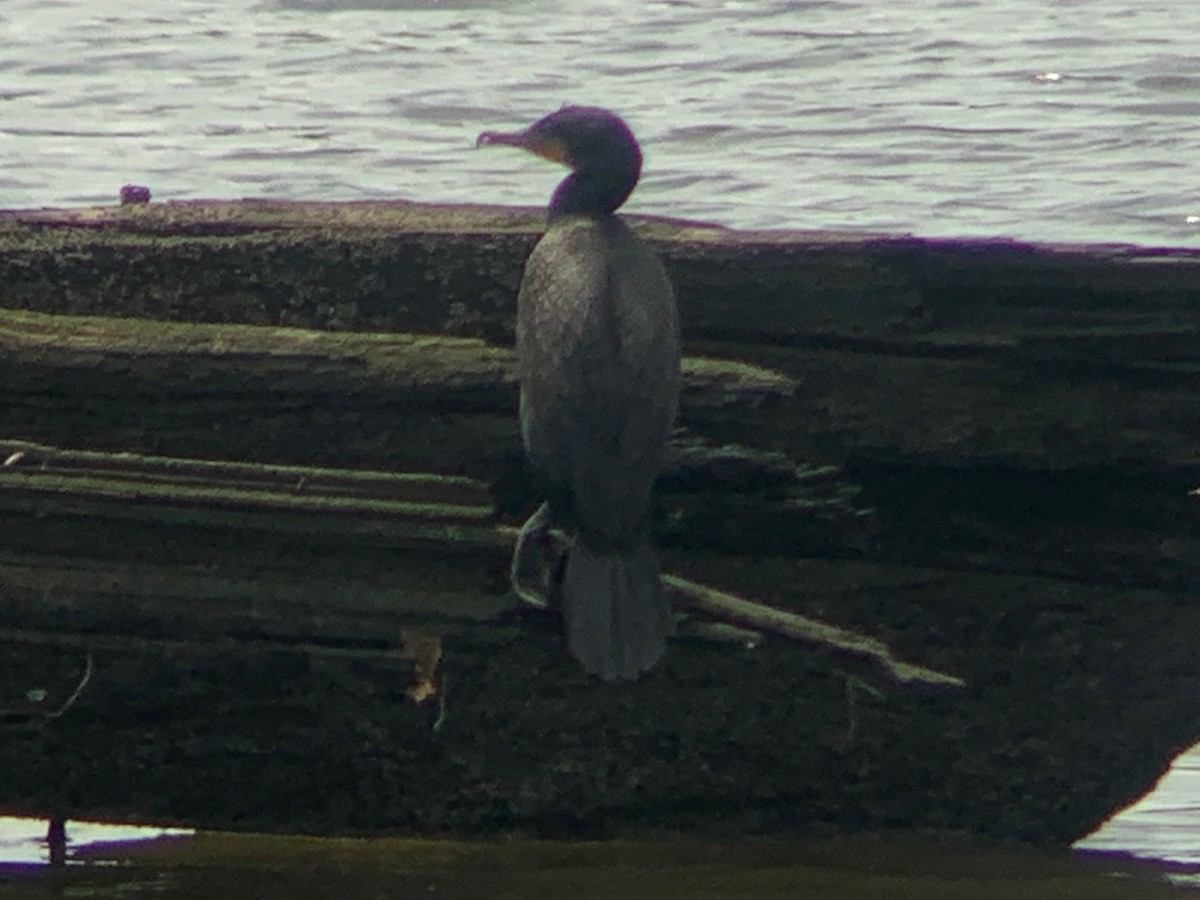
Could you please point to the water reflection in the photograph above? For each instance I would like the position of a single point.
(1164, 824)
(91, 859)
(109, 861)
(28, 841)
(257, 866)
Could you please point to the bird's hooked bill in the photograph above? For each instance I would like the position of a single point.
(542, 145)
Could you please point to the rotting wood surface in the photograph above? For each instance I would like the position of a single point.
(977, 452)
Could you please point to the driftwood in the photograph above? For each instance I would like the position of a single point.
(450, 515)
(801, 628)
(407, 402)
(976, 453)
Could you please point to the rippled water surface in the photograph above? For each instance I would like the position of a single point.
(1066, 120)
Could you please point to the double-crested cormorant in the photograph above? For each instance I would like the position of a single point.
(598, 348)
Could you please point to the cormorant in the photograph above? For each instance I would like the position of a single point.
(598, 349)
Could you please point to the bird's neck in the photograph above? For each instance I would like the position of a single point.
(596, 193)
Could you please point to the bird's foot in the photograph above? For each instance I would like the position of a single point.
(536, 528)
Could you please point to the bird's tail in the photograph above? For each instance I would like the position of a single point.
(616, 615)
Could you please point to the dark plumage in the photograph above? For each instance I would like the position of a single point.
(598, 344)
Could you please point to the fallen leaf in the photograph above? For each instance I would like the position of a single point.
(425, 650)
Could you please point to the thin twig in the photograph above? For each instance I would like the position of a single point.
(13, 718)
(748, 614)
(744, 612)
(75, 694)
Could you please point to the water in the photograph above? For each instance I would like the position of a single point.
(109, 861)
(1164, 824)
(1073, 120)
(23, 841)
(237, 866)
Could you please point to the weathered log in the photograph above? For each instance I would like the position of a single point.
(177, 389)
(443, 515)
(402, 266)
(909, 350)
(977, 452)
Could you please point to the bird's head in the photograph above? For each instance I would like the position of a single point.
(595, 144)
